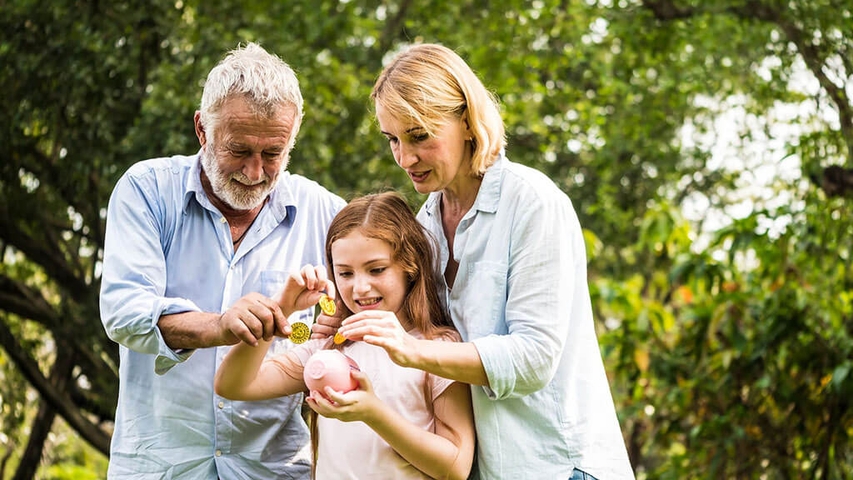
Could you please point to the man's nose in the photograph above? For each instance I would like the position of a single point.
(253, 167)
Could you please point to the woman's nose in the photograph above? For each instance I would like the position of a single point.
(406, 156)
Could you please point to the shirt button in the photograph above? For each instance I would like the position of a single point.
(221, 404)
(218, 453)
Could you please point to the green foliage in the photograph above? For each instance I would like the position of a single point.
(722, 345)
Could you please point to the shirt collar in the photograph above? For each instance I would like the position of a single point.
(490, 189)
(488, 196)
(281, 198)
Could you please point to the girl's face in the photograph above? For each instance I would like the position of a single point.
(366, 274)
(432, 163)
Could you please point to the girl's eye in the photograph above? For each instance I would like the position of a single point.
(377, 270)
(345, 274)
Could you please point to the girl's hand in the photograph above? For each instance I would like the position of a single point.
(303, 289)
(325, 326)
(353, 406)
(383, 329)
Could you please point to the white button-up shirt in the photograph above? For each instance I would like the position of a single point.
(521, 296)
(169, 250)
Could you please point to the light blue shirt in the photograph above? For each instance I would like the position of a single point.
(521, 296)
(168, 250)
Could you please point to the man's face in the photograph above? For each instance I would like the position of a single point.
(246, 153)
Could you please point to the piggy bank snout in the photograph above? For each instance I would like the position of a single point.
(330, 368)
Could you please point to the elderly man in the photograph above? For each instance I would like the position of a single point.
(195, 247)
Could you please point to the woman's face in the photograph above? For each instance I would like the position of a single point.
(432, 163)
(366, 275)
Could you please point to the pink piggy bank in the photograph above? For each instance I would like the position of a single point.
(330, 368)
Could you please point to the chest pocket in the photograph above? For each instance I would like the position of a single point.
(479, 298)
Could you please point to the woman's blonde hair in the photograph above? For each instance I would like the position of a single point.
(428, 84)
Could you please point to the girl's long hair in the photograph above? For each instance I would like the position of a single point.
(388, 217)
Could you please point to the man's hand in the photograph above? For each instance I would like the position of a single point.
(251, 318)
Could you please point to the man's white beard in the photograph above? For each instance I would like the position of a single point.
(234, 193)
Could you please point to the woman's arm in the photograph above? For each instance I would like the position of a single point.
(452, 360)
(245, 375)
(448, 453)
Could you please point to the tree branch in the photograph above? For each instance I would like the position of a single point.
(55, 397)
(50, 259)
(666, 10)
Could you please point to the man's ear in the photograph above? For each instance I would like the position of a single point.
(199, 129)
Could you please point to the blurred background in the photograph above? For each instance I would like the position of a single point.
(707, 146)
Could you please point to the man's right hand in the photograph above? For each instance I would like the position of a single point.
(251, 318)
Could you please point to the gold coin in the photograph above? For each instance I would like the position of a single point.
(301, 332)
(339, 339)
(327, 305)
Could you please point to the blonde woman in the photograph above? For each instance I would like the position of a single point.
(512, 274)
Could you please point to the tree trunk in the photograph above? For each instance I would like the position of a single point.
(59, 376)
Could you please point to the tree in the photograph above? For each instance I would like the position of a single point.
(75, 82)
(614, 100)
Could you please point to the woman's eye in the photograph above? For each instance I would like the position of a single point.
(420, 137)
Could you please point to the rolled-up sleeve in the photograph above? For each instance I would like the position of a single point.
(134, 274)
(523, 354)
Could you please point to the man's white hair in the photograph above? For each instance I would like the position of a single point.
(264, 79)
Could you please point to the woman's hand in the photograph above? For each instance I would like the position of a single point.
(383, 329)
(353, 406)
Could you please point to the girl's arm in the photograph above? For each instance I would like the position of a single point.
(245, 375)
(448, 453)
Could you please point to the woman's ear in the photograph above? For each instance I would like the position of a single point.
(469, 135)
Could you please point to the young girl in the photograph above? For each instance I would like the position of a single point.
(401, 422)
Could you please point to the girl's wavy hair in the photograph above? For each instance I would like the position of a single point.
(387, 216)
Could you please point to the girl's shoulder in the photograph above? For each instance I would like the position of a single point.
(444, 335)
